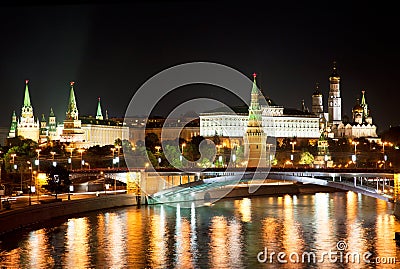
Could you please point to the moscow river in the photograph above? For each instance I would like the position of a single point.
(322, 230)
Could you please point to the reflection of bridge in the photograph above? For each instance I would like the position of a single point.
(172, 185)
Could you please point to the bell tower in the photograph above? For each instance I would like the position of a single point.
(334, 99)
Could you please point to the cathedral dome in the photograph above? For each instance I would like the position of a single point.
(358, 108)
(317, 93)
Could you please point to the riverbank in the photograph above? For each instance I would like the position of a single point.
(18, 218)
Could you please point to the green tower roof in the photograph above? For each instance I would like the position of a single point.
(254, 108)
(72, 112)
(254, 89)
(13, 122)
(51, 112)
(27, 99)
(364, 105)
(99, 114)
(71, 100)
(363, 98)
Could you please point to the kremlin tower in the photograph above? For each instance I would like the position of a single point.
(334, 99)
(99, 114)
(72, 131)
(255, 139)
(27, 126)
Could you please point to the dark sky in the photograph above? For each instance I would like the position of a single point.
(111, 48)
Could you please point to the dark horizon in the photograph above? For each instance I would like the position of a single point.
(111, 49)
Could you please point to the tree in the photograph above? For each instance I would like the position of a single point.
(306, 158)
(152, 140)
(173, 154)
(216, 139)
(57, 179)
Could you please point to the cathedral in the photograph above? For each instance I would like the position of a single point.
(336, 126)
(78, 132)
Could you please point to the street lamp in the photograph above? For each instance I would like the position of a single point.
(118, 149)
(13, 159)
(38, 158)
(87, 164)
(70, 158)
(355, 143)
(269, 154)
(113, 160)
(293, 143)
(81, 152)
(181, 157)
(52, 157)
(183, 145)
(30, 185)
(383, 151)
(36, 184)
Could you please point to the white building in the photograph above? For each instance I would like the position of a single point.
(276, 121)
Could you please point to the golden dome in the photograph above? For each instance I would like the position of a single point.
(358, 107)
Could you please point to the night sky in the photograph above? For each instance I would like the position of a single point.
(111, 48)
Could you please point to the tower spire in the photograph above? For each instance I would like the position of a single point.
(72, 112)
(254, 108)
(27, 109)
(364, 105)
(99, 114)
(27, 99)
(13, 127)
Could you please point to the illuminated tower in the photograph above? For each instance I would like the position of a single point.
(52, 124)
(27, 126)
(99, 114)
(334, 100)
(255, 148)
(366, 113)
(317, 102)
(43, 126)
(357, 112)
(13, 128)
(72, 131)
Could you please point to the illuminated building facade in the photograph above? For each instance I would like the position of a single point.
(27, 125)
(277, 121)
(79, 132)
(255, 140)
(72, 131)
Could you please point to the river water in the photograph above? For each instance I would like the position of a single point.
(339, 230)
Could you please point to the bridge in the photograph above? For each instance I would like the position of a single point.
(172, 185)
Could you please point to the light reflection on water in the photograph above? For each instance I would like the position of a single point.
(228, 234)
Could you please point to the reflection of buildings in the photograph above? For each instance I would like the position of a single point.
(76, 130)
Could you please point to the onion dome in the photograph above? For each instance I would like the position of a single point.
(334, 76)
(358, 108)
(317, 92)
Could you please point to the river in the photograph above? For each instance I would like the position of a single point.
(322, 230)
